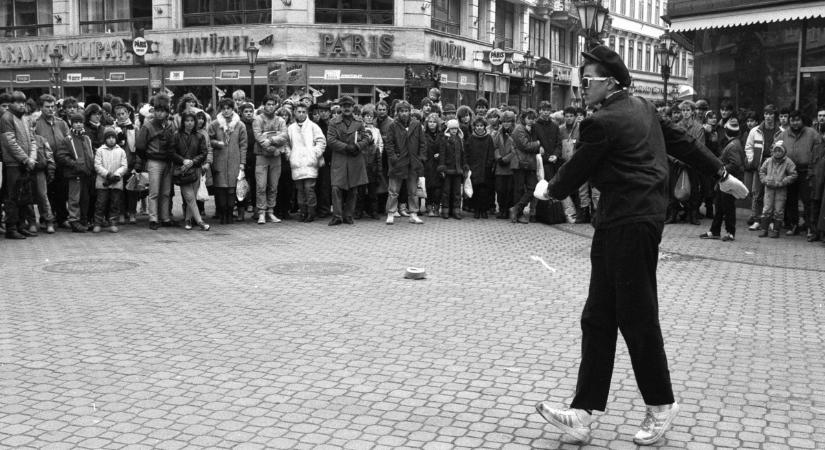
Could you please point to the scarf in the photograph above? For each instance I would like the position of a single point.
(78, 133)
(227, 127)
(126, 125)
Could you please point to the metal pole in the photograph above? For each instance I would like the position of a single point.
(252, 84)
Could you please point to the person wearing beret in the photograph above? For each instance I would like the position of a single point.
(622, 150)
(347, 139)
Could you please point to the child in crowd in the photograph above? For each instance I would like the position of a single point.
(76, 160)
(776, 173)
(110, 166)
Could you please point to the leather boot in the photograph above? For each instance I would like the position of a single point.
(777, 228)
(691, 218)
(583, 216)
(765, 223)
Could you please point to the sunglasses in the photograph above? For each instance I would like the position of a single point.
(587, 81)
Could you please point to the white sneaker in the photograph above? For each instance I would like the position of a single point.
(261, 219)
(755, 226)
(390, 218)
(573, 422)
(655, 424)
(273, 218)
(415, 219)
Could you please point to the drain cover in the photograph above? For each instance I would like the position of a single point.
(91, 266)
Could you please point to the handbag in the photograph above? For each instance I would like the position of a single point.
(682, 189)
(241, 189)
(181, 177)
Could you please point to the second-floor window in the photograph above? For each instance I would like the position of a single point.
(198, 13)
(112, 16)
(376, 12)
(505, 24)
(538, 37)
(447, 16)
(19, 18)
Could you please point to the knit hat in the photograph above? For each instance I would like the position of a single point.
(452, 123)
(731, 127)
(508, 116)
(76, 117)
(780, 145)
(109, 131)
(449, 108)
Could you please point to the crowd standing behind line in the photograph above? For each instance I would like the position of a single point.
(89, 167)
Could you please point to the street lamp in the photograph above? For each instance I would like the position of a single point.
(252, 58)
(667, 51)
(593, 16)
(528, 71)
(55, 57)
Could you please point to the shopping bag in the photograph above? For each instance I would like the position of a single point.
(138, 182)
(203, 193)
(241, 189)
(468, 185)
(682, 189)
(421, 190)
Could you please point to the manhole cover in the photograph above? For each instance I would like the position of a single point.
(91, 266)
(314, 268)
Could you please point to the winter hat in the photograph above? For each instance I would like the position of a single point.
(731, 127)
(449, 108)
(145, 110)
(107, 107)
(76, 117)
(508, 116)
(452, 123)
(779, 145)
(109, 131)
(93, 108)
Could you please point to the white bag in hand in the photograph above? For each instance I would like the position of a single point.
(241, 189)
(541, 190)
(731, 185)
(468, 185)
(203, 193)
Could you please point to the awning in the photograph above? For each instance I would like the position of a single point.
(748, 17)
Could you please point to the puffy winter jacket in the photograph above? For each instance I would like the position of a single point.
(782, 172)
(306, 149)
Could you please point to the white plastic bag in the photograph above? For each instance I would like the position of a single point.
(203, 193)
(468, 185)
(421, 190)
(241, 189)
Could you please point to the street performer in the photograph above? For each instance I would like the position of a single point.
(622, 151)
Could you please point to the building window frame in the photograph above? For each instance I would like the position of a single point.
(370, 12)
(446, 16)
(630, 53)
(42, 10)
(110, 24)
(538, 37)
(248, 15)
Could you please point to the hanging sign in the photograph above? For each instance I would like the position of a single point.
(497, 56)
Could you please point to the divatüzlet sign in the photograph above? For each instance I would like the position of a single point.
(356, 45)
(212, 44)
(89, 50)
(448, 50)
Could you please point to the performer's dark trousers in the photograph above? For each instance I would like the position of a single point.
(623, 298)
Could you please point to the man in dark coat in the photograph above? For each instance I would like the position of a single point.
(406, 149)
(347, 138)
(622, 150)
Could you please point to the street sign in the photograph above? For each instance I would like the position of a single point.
(544, 65)
(497, 56)
(140, 46)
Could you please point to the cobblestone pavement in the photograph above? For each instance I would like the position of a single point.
(306, 336)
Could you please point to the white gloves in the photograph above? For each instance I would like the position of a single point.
(731, 185)
(541, 190)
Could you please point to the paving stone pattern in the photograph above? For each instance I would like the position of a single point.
(306, 336)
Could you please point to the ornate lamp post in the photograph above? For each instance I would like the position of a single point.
(252, 59)
(593, 16)
(55, 57)
(667, 51)
(528, 70)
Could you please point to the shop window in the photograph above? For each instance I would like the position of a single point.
(375, 12)
(447, 16)
(112, 16)
(538, 37)
(329, 92)
(20, 18)
(814, 51)
(197, 13)
(505, 24)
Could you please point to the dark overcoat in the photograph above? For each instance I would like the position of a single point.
(348, 170)
(406, 149)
